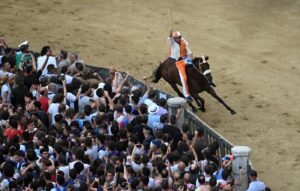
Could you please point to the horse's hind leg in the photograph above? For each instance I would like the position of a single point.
(200, 101)
(212, 92)
(175, 88)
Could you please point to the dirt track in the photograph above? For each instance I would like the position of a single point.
(253, 48)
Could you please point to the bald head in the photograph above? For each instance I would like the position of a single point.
(52, 87)
(181, 166)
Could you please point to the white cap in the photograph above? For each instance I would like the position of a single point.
(23, 43)
(101, 85)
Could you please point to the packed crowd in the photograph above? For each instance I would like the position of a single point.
(63, 127)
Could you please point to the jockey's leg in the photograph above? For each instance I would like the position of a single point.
(181, 68)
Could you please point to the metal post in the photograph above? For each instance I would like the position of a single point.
(174, 104)
(242, 155)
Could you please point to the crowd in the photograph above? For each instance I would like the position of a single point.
(64, 127)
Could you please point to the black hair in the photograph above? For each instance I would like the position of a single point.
(13, 122)
(79, 66)
(79, 167)
(64, 54)
(99, 92)
(60, 179)
(88, 142)
(164, 184)
(212, 182)
(85, 87)
(152, 94)
(87, 109)
(44, 50)
(73, 173)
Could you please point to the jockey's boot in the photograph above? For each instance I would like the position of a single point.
(189, 99)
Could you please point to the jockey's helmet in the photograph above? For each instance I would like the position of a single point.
(176, 34)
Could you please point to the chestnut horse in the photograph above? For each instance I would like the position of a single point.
(198, 80)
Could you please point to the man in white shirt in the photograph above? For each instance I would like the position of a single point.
(255, 184)
(43, 58)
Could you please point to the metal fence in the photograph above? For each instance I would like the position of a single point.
(190, 118)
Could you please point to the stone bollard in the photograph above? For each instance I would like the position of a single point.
(242, 155)
(174, 104)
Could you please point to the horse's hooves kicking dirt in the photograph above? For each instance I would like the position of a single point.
(233, 112)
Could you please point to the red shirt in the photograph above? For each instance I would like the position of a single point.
(44, 102)
(11, 132)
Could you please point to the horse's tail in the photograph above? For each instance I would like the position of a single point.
(156, 74)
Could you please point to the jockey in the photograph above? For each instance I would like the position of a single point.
(180, 52)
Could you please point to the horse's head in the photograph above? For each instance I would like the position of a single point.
(201, 63)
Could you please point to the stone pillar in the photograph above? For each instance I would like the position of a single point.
(242, 155)
(174, 104)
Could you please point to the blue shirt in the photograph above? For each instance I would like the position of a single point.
(152, 119)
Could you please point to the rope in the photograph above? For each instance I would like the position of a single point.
(197, 68)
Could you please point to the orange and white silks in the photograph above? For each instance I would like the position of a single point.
(181, 51)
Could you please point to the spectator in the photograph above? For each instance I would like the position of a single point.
(46, 57)
(62, 60)
(255, 184)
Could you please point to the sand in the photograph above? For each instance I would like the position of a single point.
(253, 48)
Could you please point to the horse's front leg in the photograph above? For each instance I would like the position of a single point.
(200, 101)
(212, 92)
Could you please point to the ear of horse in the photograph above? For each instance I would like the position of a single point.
(206, 57)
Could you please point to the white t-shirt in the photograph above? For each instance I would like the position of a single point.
(85, 171)
(68, 79)
(6, 88)
(92, 152)
(53, 110)
(71, 98)
(41, 60)
(65, 170)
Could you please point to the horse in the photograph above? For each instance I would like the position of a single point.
(199, 79)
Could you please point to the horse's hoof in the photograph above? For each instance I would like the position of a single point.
(202, 109)
(194, 109)
(212, 84)
(232, 112)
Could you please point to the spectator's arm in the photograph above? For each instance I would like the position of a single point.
(178, 112)
(65, 91)
(116, 97)
(78, 93)
(125, 171)
(239, 181)
(194, 139)
(149, 88)
(24, 171)
(110, 102)
(119, 88)
(170, 174)
(33, 61)
(98, 76)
